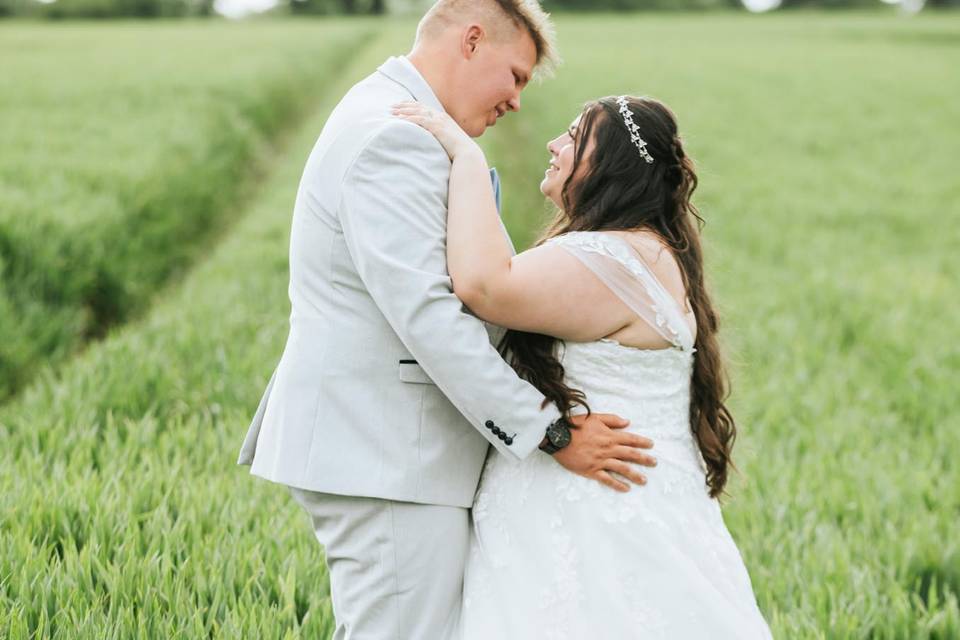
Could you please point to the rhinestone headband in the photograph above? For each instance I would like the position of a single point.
(634, 129)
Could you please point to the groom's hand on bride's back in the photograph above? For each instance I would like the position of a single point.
(601, 450)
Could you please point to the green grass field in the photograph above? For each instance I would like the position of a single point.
(826, 150)
(125, 149)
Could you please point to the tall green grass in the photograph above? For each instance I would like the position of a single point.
(828, 191)
(125, 147)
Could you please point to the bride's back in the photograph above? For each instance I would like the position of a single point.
(664, 267)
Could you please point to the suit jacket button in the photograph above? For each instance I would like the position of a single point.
(489, 424)
(497, 431)
(501, 435)
(508, 441)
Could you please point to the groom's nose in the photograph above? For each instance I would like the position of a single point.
(513, 104)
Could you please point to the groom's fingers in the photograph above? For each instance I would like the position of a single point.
(627, 471)
(605, 478)
(631, 454)
(633, 440)
(613, 421)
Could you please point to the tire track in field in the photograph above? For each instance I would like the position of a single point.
(110, 272)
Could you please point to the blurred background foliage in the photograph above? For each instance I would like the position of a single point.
(65, 9)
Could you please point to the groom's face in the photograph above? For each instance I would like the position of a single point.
(494, 75)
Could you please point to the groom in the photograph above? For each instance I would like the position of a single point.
(388, 395)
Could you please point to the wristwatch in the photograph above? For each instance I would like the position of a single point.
(558, 436)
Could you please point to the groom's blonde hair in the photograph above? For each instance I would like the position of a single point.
(501, 17)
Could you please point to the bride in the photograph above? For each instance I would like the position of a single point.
(609, 308)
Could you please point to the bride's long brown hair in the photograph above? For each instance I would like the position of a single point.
(618, 190)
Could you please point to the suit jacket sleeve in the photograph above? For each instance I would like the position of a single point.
(393, 214)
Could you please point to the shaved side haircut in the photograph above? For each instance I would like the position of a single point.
(502, 18)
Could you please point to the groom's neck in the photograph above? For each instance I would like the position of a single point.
(431, 65)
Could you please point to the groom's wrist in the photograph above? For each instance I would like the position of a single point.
(544, 444)
(557, 436)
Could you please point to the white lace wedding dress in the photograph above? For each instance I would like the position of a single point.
(556, 556)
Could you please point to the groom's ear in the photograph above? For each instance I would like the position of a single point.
(472, 37)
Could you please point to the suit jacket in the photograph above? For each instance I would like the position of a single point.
(387, 386)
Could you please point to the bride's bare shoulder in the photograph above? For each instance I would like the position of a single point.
(651, 248)
(659, 257)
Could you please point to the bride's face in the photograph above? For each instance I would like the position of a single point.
(562, 150)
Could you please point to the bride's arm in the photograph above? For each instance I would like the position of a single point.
(479, 256)
(543, 290)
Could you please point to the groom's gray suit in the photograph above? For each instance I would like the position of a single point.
(387, 392)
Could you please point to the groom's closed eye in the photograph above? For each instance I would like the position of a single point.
(520, 79)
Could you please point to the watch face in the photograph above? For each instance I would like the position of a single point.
(559, 435)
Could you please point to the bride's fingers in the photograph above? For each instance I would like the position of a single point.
(420, 120)
(631, 454)
(410, 114)
(605, 478)
(627, 471)
(419, 116)
(413, 109)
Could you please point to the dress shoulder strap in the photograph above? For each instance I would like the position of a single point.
(625, 272)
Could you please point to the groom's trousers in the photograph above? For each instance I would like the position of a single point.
(396, 568)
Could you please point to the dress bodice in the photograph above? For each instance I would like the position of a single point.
(651, 388)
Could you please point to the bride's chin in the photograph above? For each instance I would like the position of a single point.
(549, 197)
(543, 186)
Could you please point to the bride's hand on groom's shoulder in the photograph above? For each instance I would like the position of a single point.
(601, 450)
(453, 138)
